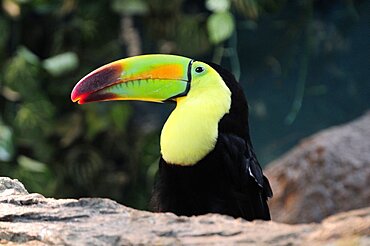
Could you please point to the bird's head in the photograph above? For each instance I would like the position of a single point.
(204, 94)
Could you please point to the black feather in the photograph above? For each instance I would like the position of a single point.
(229, 180)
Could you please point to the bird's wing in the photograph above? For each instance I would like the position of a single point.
(246, 174)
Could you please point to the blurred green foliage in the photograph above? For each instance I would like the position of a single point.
(64, 150)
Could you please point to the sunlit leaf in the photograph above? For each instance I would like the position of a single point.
(220, 26)
(12, 8)
(61, 64)
(31, 165)
(28, 56)
(35, 175)
(10, 95)
(218, 5)
(6, 143)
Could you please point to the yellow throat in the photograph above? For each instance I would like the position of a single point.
(191, 130)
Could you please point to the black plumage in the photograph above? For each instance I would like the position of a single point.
(229, 180)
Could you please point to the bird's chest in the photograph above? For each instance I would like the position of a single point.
(199, 189)
(187, 137)
(190, 133)
(186, 143)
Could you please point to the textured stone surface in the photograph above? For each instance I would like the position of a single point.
(32, 219)
(10, 186)
(325, 174)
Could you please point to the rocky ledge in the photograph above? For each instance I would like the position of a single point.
(325, 174)
(32, 219)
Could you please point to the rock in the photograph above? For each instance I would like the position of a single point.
(31, 219)
(326, 173)
(10, 186)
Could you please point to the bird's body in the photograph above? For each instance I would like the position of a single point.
(228, 180)
(208, 164)
(219, 183)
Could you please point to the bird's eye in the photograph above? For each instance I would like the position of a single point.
(199, 69)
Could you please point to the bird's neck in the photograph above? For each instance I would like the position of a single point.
(191, 130)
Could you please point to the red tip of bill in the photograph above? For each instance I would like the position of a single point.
(95, 81)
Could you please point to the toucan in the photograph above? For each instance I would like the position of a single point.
(207, 162)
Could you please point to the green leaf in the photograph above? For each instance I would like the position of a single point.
(21, 73)
(31, 165)
(220, 26)
(35, 175)
(130, 7)
(61, 64)
(218, 5)
(6, 143)
(28, 56)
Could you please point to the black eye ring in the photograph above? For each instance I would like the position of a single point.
(199, 69)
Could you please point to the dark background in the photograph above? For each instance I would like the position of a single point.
(304, 66)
